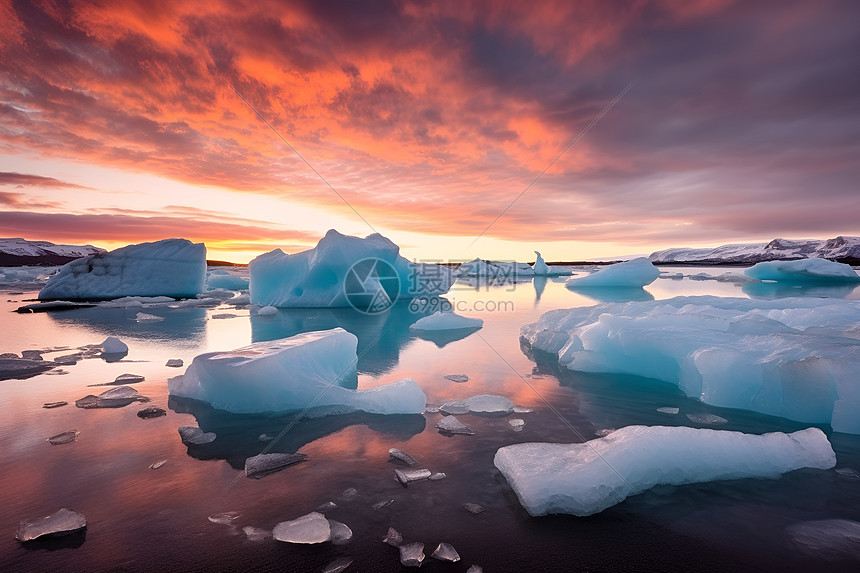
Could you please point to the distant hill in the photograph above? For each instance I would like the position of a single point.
(20, 252)
(840, 249)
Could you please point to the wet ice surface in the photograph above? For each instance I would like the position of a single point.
(310, 528)
(265, 464)
(732, 525)
(62, 522)
(412, 554)
(451, 425)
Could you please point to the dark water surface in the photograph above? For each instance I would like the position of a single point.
(144, 520)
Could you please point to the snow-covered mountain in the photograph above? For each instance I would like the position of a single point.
(18, 252)
(842, 249)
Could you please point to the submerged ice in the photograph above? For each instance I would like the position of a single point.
(311, 369)
(584, 479)
(796, 358)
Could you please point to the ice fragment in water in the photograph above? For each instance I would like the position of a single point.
(517, 424)
(431, 408)
(338, 565)
(310, 528)
(457, 378)
(256, 533)
(226, 518)
(175, 363)
(828, 539)
(128, 379)
(475, 569)
(267, 311)
(490, 404)
(64, 438)
(63, 522)
(144, 317)
(349, 494)
(412, 554)
(406, 476)
(380, 504)
(340, 533)
(54, 404)
(21, 368)
(113, 345)
(437, 476)
(402, 456)
(327, 506)
(473, 508)
(113, 398)
(393, 537)
(265, 438)
(158, 464)
(151, 412)
(446, 552)
(194, 435)
(668, 410)
(451, 425)
(68, 359)
(265, 464)
(522, 410)
(454, 407)
(709, 419)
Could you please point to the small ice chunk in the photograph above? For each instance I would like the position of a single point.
(196, 436)
(349, 494)
(432, 408)
(64, 438)
(113, 398)
(226, 518)
(517, 424)
(175, 363)
(256, 533)
(457, 378)
(437, 476)
(396, 454)
(451, 425)
(265, 438)
(475, 569)
(63, 522)
(446, 552)
(380, 504)
(267, 311)
(151, 412)
(705, 418)
(128, 379)
(406, 476)
(455, 407)
(446, 321)
(490, 404)
(474, 508)
(667, 410)
(156, 465)
(340, 533)
(412, 554)
(68, 359)
(113, 345)
(54, 404)
(523, 410)
(310, 528)
(264, 464)
(327, 506)
(144, 317)
(828, 539)
(338, 565)
(393, 537)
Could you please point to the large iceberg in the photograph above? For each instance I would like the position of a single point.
(797, 358)
(172, 267)
(803, 271)
(341, 271)
(635, 273)
(584, 479)
(313, 369)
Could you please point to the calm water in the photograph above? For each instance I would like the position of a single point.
(141, 519)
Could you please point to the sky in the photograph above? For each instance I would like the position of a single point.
(457, 129)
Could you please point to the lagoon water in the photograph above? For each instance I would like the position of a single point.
(140, 519)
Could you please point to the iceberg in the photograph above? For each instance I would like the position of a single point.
(62, 522)
(814, 271)
(584, 479)
(446, 321)
(221, 279)
(635, 273)
(342, 271)
(541, 269)
(310, 369)
(171, 267)
(113, 345)
(796, 358)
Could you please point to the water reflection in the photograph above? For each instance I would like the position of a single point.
(614, 294)
(238, 435)
(772, 290)
(442, 338)
(178, 324)
(381, 337)
(540, 286)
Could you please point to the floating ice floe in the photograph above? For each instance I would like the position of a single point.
(668, 410)
(113, 398)
(480, 404)
(446, 552)
(157, 464)
(451, 425)
(412, 554)
(396, 454)
(225, 518)
(50, 405)
(267, 311)
(23, 368)
(393, 538)
(803, 271)
(266, 464)
(144, 317)
(635, 273)
(314, 368)
(446, 321)
(63, 522)
(127, 378)
(517, 424)
(459, 378)
(796, 358)
(343, 271)
(584, 479)
(707, 419)
(406, 476)
(195, 436)
(113, 345)
(473, 508)
(341, 534)
(310, 528)
(151, 412)
(172, 267)
(175, 363)
(64, 438)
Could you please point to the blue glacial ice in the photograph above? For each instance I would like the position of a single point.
(325, 275)
(795, 357)
(311, 369)
(584, 479)
(172, 267)
(224, 279)
(814, 271)
(635, 273)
